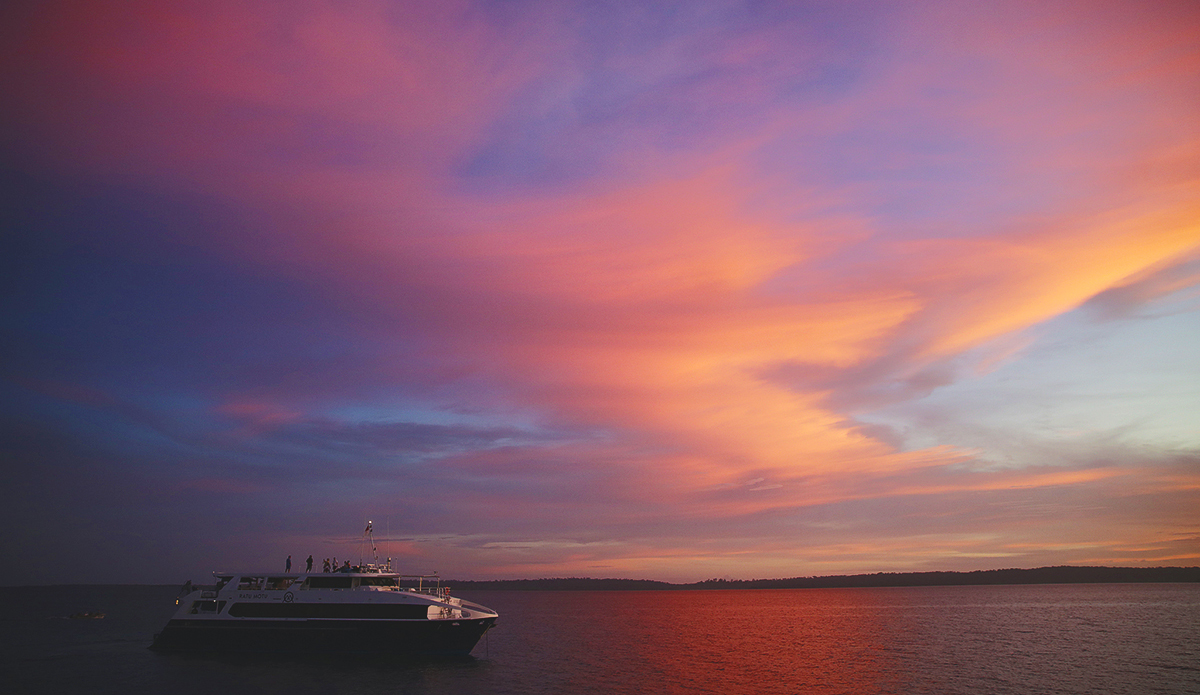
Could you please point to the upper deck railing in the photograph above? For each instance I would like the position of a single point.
(358, 578)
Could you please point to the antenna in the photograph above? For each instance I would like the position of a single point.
(368, 538)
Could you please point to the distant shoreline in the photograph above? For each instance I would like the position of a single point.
(1040, 575)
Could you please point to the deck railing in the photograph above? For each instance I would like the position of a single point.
(427, 584)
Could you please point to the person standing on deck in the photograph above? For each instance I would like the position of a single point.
(289, 563)
(309, 561)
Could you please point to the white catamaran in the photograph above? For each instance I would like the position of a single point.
(367, 608)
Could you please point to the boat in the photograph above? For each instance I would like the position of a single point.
(87, 615)
(364, 609)
(359, 610)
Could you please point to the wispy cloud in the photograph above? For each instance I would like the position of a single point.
(592, 278)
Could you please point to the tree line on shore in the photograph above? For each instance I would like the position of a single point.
(1040, 575)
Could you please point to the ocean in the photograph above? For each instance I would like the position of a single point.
(1024, 640)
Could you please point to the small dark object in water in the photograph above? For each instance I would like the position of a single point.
(87, 615)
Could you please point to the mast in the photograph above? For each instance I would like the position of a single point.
(369, 538)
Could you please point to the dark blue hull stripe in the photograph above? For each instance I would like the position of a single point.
(399, 637)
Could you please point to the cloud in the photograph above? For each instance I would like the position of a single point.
(594, 277)
(1127, 299)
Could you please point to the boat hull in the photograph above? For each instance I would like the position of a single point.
(390, 637)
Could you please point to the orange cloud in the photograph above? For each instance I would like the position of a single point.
(707, 265)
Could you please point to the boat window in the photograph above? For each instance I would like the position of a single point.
(328, 582)
(250, 583)
(378, 581)
(209, 607)
(221, 582)
(344, 611)
(279, 583)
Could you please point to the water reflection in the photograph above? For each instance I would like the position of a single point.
(721, 641)
(1023, 640)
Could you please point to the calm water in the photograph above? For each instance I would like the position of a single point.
(1112, 638)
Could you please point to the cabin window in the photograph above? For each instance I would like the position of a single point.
(209, 607)
(324, 582)
(279, 583)
(250, 583)
(378, 581)
(337, 611)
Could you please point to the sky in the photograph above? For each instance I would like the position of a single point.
(670, 291)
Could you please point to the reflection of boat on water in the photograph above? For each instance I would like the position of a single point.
(356, 610)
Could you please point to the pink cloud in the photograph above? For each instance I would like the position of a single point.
(721, 287)
(230, 99)
(259, 415)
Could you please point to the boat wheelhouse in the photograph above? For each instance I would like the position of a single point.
(359, 610)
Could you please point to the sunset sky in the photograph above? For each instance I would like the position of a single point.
(654, 290)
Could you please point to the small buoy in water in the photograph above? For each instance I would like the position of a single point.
(87, 615)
